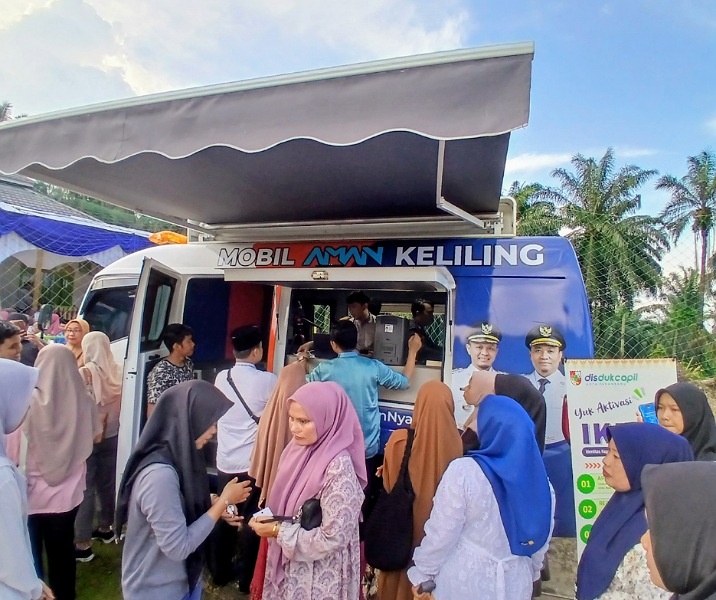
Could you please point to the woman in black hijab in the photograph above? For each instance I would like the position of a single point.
(680, 543)
(683, 409)
(164, 496)
(516, 387)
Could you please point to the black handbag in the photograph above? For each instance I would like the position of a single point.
(389, 529)
(309, 515)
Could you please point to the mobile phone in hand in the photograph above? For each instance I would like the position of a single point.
(264, 512)
(648, 413)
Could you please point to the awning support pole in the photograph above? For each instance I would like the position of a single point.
(443, 204)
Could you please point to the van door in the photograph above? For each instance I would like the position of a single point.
(159, 298)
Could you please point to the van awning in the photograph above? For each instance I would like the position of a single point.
(380, 140)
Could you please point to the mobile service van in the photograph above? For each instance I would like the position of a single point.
(383, 177)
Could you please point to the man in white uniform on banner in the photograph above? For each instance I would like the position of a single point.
(546, 344)
(482, 346)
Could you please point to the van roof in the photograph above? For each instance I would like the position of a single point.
(405, 138)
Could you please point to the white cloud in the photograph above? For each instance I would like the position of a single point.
(537, 166)
(531, 162)
(16, 10)
(140, 80)
(63, 53)
(630, 152)
(51, 59)
(375, 28)
(711, 125)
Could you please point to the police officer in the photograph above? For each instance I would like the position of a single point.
(546, 344)
(482, 345)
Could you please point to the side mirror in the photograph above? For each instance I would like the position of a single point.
(45, 318)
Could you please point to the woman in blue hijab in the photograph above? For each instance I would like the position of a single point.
(492, 514)
(613, 565)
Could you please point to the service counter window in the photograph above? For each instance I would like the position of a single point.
(313, 311)
(435, 330)
(311, 316)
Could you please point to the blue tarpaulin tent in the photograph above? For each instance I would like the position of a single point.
(69, 238)
(31, 221)
(41, 234)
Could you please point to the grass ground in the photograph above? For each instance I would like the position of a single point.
(100, 579)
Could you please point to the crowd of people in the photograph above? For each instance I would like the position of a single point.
(301, 477)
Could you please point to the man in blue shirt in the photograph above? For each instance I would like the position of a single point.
(360, 377)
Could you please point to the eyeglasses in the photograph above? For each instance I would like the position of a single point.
(73, 331)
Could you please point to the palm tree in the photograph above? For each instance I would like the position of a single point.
(682, 327)
(534, 216)
(618, 250)
(5, 111)
(693, 201)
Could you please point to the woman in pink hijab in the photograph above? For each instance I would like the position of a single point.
(325, 459)
(55, 327)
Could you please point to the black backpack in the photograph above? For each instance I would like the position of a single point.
(389, 530)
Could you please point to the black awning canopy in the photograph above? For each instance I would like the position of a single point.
(372, 141)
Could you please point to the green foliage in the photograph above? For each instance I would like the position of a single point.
(693, 201)
(683, 332)
(58, 287)
(534, 216)
(669, 327)
(103, 211)
(635, 312)
(626, 334)
(618, 250)
(5, 111)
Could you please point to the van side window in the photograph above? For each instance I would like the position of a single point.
(110, 310)
(160, 290)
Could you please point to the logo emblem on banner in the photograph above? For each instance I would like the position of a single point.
(575, 377)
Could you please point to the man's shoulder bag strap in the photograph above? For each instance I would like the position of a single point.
(238, 393)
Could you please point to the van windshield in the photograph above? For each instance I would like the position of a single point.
(109, 310)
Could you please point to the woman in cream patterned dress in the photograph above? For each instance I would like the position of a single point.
(325, 460)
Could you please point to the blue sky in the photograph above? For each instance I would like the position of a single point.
(638, 75)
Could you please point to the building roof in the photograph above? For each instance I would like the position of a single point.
(18, 192)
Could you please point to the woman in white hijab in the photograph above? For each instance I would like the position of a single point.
(18, 580)
(103, 377)
(60, 427)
